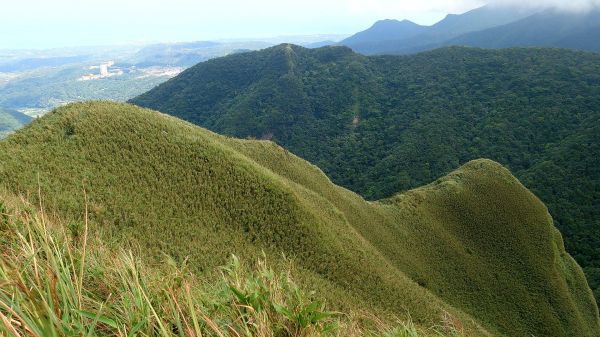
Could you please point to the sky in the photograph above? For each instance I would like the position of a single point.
(41, 24)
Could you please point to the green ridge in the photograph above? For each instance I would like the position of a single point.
(380, 125)
(476, 243)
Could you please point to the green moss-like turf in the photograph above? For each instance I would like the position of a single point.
(476, 243)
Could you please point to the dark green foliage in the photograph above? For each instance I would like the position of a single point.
(481, 246)
(380, 125)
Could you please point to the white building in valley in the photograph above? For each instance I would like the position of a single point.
(104, 72)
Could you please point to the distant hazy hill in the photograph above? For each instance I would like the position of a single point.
(475, 244)
(319, 44)
(11, 120)
(547, 29)
(489, 27)
(174, 54)
(40, 62)
(381, 34)
(379, 125)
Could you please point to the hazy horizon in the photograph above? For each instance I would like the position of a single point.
(36, 24)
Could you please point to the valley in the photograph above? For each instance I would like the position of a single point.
(35, 82)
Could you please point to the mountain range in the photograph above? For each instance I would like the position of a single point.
(486, 27)
(383, 124)
(475, 244)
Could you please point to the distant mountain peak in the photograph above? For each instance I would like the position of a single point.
(401, 37)
(385, 30)
(393, 23)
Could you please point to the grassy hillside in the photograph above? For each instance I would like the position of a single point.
(379, 125)
(11, 121)
(475, 245)
(94, 289)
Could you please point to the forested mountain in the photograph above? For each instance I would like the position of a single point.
(385, 124)
(11, 120)
(486, 27)
(475, 245)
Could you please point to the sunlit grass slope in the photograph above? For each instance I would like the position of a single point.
(58, 282)
(475, 244)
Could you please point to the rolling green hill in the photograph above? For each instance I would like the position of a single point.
(379, 125)
(475, 244)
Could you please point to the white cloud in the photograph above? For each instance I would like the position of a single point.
(571, 5)
(411, 7)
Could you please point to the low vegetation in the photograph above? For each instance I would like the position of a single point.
(475, 246)
(55, 281)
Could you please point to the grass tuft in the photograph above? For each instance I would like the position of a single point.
(55, 284)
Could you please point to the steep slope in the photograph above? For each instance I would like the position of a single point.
(477, 243)
(393, 37)
(379, 125)
(550, 28)
(11, 120)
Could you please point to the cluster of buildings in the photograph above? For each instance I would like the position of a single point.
(104, 72)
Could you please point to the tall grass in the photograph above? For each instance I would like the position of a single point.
(57, 281)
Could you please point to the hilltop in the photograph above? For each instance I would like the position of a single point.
(383, 124)
(475, 244)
